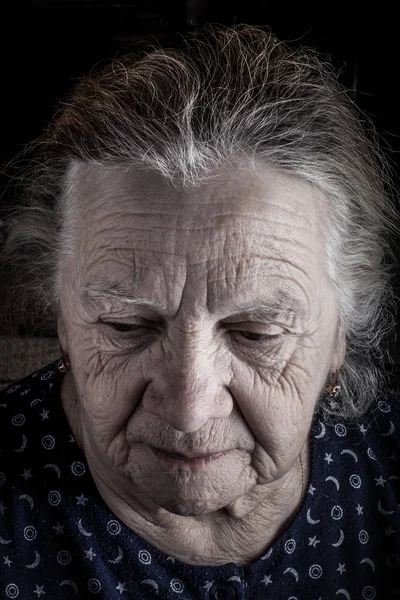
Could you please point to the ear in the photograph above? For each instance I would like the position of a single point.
(62, 332)
(338, 356)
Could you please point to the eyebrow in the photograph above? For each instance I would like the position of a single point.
(264, 310)
(283, 303)
(111, 291)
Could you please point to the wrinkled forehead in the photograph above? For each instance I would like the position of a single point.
(238, 225)
(239, 193)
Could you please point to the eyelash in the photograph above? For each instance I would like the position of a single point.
(248, 335)
(125, 327)
(259, 336)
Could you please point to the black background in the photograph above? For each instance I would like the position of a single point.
(51, 43)
(46, 46)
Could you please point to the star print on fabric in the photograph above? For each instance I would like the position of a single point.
(3, 508)
(363, 429)
(328, 458)
(311, 489)
(44, 414)
(121, 587)
(341, 568)
(27, 474)
(58, 528)
(81, 499)
(89, 554)
(394, 457)
(208, 585)
(71, 439)
(380, 481)
(312, 541)
(359, 509)
(7, 561)
(39, 590)
(333, 404)
(389, 531)
(266, 580)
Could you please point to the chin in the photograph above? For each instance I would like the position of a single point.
(190, 506)
(189, 499)
(186, 510)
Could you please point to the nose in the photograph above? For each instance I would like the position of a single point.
(188, 392)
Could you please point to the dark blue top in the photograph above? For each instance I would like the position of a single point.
(59, 540)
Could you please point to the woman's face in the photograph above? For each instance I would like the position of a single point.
(201, 327)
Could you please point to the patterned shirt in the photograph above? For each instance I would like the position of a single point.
(59, 540)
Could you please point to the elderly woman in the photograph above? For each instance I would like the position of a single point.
(208, 226)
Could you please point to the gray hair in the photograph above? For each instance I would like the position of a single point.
(223, 95)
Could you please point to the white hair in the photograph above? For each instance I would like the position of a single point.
(224, 95)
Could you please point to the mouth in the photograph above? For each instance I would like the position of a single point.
(197, 459)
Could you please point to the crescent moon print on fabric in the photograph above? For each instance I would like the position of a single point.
(267, 555)
(340, 540)
(28, 498)
(71, 583)
(293, 572)
(3, 405)
(83, 530)
(334, 480)
(115, 561)
(150, 582)
(35, 562)
(391, 430)
(310, 520)
(353, 454)
(23, 445)
(237, 578)
(3, 541)
(345, 593)
(369, 562)
(54, 467)
(322, 432)
(383, 511)
(35, 401)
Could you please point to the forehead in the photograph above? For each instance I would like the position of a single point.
(138, 232)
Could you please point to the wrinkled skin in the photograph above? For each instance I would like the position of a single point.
(192, 376)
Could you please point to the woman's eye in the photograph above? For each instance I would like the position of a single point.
(124, 327)
(255, 337)
(258, 337)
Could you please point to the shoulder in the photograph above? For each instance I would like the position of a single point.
(381, 426)
(36, 381)
(24, 407)
(361, 456)
(380, 423)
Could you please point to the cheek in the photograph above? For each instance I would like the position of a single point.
(278, 406)
(109, 387)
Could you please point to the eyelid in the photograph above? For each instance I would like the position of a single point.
(140, 324)
(256, 327)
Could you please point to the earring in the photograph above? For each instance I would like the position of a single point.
(63, 364)
(333, 390)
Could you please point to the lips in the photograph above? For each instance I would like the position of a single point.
(188, 458)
